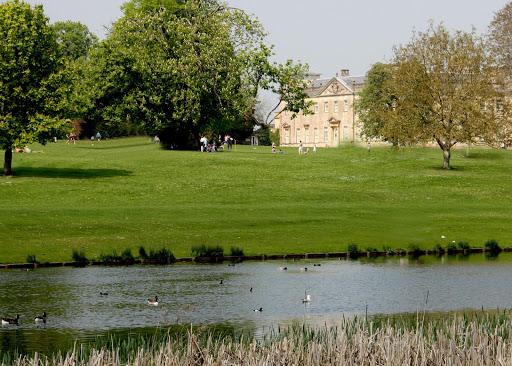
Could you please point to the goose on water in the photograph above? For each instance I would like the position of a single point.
(40, 318)
(11, 320)
(153, 302)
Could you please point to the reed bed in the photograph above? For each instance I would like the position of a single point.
(457, 340)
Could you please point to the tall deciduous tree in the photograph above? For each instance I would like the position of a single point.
(375, 100)
(182, 75)
(75, 38)
(447, 89)
(29, 78)
(500, 36)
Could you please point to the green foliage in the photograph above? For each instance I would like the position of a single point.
(451, 248)
(132, 8)
(212, 251)
(374, 102)
(79, 256)
(439, 248)
(31, 258)
(142, 253)
(110, 257)
(415, 249)
(162, 255)
(74, 39)
(183, 73)
(388, 249)
(493, 245)
(372, 250)
(464, 245)
(32, 89)
(274, 137)
(434, 92)
(125, 256)
(353, 250)
(237, 252)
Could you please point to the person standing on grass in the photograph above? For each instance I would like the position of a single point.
(98, 136)
(300, 148)
(314, 148)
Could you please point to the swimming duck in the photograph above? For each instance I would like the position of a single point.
(42, 318)
(153, 302)
(307, 299)
(11, 320)
(260, 309)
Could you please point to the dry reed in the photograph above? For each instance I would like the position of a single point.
(457, 340)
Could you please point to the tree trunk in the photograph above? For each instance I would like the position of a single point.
(446, 157)
(8, 162)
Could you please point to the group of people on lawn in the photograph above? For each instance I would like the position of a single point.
(212, 147)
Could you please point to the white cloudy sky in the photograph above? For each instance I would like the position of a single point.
(327, 34)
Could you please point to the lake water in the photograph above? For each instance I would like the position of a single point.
(192, 293)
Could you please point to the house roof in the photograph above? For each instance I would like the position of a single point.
(351, 83)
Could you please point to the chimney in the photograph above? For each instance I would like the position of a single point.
(345, 72)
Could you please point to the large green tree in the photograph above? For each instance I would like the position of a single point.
(75, 38)
(183, 75)
(29, 79)
(444, 88)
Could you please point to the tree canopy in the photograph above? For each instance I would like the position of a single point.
(29, 78)
(184, 75)
(75, 39)
(444, 88)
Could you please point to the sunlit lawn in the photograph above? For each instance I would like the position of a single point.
(117, 194)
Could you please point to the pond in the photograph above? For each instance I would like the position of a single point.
(193, 293)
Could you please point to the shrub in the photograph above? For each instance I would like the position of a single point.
(142, 253)
(415, 249)
(388, 249)
(197, 250)
(353, 250)
(372, 250)
(127, 255)
(163, 255)
(31, 258)
(451, 248)
(439, 248)
(237, 252)
(79, 256)
(210, 251)
(493, 246)
(464, 245)
(110, 257)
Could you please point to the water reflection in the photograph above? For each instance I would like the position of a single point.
(193, 293)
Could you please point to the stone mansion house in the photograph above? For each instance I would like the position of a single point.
(334, 120)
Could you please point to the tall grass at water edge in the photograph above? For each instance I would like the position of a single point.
(478, 339)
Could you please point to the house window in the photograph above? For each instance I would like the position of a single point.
(316, 135)
(306, 134)
(345, 107)
(326, 107)
(287, 136)
(336, 107)
(316, 108)
(326, 134)
(298, 135)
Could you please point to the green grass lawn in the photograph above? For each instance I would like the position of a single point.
(117, 194)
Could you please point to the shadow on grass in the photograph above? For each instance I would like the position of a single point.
(70, 173)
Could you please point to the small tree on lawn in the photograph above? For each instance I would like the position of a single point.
(29, 65)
